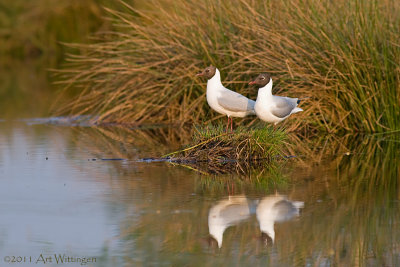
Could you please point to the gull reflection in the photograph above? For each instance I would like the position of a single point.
(275, 208)
(226, 213)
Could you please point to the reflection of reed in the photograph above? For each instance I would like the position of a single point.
(261, 180)
(128, 143)
(349, 219)
(241, 168)
(311, 150)
(361, 193)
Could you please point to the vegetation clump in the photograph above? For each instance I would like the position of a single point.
(213, 144)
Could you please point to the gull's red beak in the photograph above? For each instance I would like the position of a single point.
(252, 82)
(200, 74)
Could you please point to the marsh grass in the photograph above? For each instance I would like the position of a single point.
(344, 55)
(212, 144)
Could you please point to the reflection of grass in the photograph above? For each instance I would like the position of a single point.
(356, 225)
(126, 143)
(259, 180)
(376, 194)
(348, 63)
(350, 217)
(353, 223)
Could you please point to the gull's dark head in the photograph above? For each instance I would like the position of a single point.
(212, 243)
(261, 80)
(208, 72)
(267, 240)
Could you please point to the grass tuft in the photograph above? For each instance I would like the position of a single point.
(212, 144)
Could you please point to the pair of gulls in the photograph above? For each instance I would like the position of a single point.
(267, 107)
(236, 209)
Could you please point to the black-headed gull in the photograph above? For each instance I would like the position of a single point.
(275, 208)
(271, 108)
(223, 100)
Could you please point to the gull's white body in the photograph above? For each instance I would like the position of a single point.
(274, 109)
(225, 101)
(273, 209)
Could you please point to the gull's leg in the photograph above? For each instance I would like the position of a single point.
(275, 127)
(231, 125)
(227, 125)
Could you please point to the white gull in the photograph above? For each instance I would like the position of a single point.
(269, 107)
(223, 100)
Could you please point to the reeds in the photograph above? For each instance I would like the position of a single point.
(344, 55)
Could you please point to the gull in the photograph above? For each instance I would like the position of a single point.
(272, 108)
(275, 208)
(226, 213)
(223, 100)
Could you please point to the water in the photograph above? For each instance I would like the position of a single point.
(72, 191)
(57, 196)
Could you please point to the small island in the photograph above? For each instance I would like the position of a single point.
(212, 144)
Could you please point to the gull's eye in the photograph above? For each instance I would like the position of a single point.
(207, 70)
(262, 78)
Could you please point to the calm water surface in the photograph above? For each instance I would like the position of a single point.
(61, 194)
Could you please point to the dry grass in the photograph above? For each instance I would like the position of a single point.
(345, 55)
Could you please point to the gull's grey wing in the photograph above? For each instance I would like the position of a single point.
(235, 102)
(235, 212)
(283, 106)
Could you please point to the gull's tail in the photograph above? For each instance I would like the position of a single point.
(296, 109)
